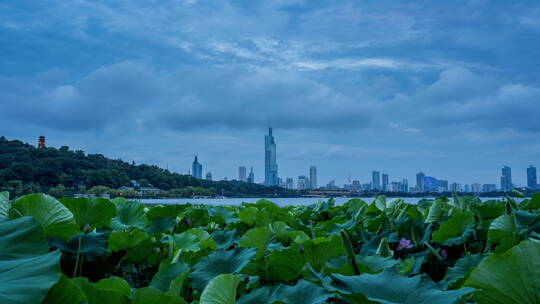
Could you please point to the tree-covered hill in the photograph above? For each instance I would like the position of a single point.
(25, 169)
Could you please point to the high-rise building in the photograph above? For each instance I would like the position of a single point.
(442, 185)
(242, 174)
(302, 183)
(532, 182)
(196, 169)
(489, 188)
(476, 188)
(289, 183)
(396, 187)
(366, 187)
(312, 177)
(431, 184)
(331, 185)
(356, 186)
(376, 180)
(208, 176)
(385, 182)
(270, 165)
(251, 176)
(506, 179)
(455, 187)
(467, 188)
(420, 181)
(405, 184)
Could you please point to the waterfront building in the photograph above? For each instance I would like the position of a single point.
(313, 177)
(405, 184)
(270, 165)
(532, 182)
(209, 176)
(196, 168)
(467, 188)
(331, 185)
(443, 185)
(489, 188)
(455, 187)
(356, 186)
(385, 182)
(476, 188)
(376, 180)
(366, 187)
(431, 184)
(506, 179)
(302, 183)
(242, 176)
(289, 183)
(251, 176)
(420, 181)
(396, 187)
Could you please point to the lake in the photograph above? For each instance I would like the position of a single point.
(292, 201)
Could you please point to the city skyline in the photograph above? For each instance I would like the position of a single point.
(349, 86)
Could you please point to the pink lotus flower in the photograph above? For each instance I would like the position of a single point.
(444, 254)
(404, 244)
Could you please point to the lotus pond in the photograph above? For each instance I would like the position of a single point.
(98, 251)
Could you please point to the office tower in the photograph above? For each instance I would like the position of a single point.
(506, 179)
(467, 188)
(376, 180)
(489, 188)
(208, 176)
(302, 183)
(270, 165)
(242, 174)
(405, 184)
(356, 186)
(431, 184)
(476, 188)
(442, 185)
(420, 181)
(396, 187)
(251, 176)
(366, 187)
(289, 183)
(455, 187)
(331, 185)
(385, 182)
(313, 177)
(196, 169)
(532, 182)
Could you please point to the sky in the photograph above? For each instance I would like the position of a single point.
(450, 88)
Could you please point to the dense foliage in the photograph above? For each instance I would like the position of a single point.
(27, 169)
(119, 251)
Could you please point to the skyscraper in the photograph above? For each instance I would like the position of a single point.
(313, 177)
(385, 182)
(420, 181)
(196, 169)
(405, 184)
(532, 182)
(242, 174)
(270, 165)
(431, 184)
(302, 183)
(376, 180)
(251, 176)
(209, 176)
(506, 179)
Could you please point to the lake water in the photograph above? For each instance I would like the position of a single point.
(293, 201)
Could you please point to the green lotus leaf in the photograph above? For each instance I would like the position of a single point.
(224, 239)
(161, 225)
(165, 280)
(220, 262)
(223, 215)
(65, 292)
(490, 209)
(187, 242)
(285, 265)
(204, 237)
(366, 264)
(435, 212)
(248, 215)
(503, 230)
(106, 291)
(303, 292)
(124, 240)
(455, 276)
(508, 278)
(533, 203)
(95, 212)
(318, 251)
(55, 218)
(142, 252)
(456, 230)
(91, 245)
(129, 214)
(258, 238)
(221, 290)
(383, 249)
(172, 211)
(149, 295)
(4, 204)
(27, 268)
(390, 287)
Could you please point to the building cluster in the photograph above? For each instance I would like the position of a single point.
(379, 182)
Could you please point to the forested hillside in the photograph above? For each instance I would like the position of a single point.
(26, 169)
